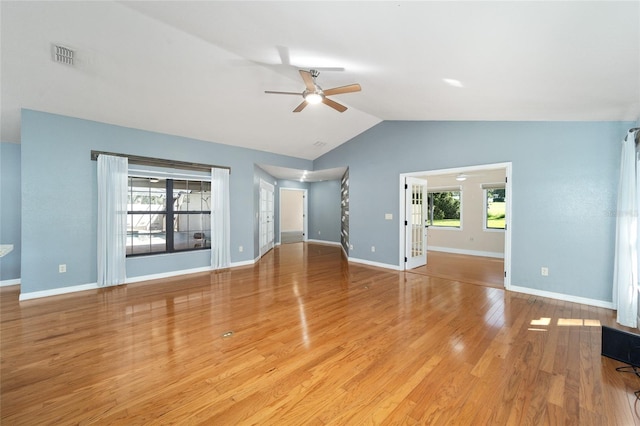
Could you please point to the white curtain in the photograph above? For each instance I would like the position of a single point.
(220, 224)
(625, 274)
(112, 219)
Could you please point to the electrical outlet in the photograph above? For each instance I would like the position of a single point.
(240, 249)
(373, 249)
(318, 232)
(62, 268)
(350, 246)
(544, 271)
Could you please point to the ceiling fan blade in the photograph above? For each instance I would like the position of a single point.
(301, 106)
(343, 89)
(283, 52)
(333, 104)
(308, 80)
(282, 93)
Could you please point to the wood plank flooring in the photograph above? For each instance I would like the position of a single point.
(486, 271)
(316, 341)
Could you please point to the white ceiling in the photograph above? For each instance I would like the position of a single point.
(200, 69)
(304, 175)
(473, 176)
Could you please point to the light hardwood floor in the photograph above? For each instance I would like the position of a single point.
(316, 341)
(486, 271)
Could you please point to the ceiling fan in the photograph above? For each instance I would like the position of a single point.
(314, 94)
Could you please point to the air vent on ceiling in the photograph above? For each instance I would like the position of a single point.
(62, 54)
(319, 144)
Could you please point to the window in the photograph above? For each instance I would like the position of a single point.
(155, 202)
(444, 208)
(494, 212)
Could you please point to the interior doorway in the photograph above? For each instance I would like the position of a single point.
(293, 215)
(475, 232)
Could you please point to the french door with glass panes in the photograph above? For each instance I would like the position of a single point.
(266, 217)
(415, 222)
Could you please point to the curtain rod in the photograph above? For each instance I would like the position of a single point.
(149, 161)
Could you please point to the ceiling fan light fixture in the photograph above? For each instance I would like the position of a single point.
(314, 94)
(313, 97)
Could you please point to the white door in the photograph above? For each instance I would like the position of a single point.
(266, 217)
(415, 195)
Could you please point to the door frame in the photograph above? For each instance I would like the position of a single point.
(467, 169)
(305, 213)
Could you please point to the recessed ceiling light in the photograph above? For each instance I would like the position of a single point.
(453, 82)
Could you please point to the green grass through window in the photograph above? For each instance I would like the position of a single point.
(452, 223)
(496, 215)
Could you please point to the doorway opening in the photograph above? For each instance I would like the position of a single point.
(479, 229)
(293, 215)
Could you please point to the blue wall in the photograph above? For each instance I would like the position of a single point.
(10, 210)
(323, 208)
(565, 177)
(59, 198)
(324, 211)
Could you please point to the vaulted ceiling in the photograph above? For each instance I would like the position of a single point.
(199, 69)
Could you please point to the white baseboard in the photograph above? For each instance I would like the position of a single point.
(167, 274)
(244, 263)
(561, 296)
(94, 286)
(377, 264)
(467, 252)
(330, 243)
(57, 291)
(7, 283)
